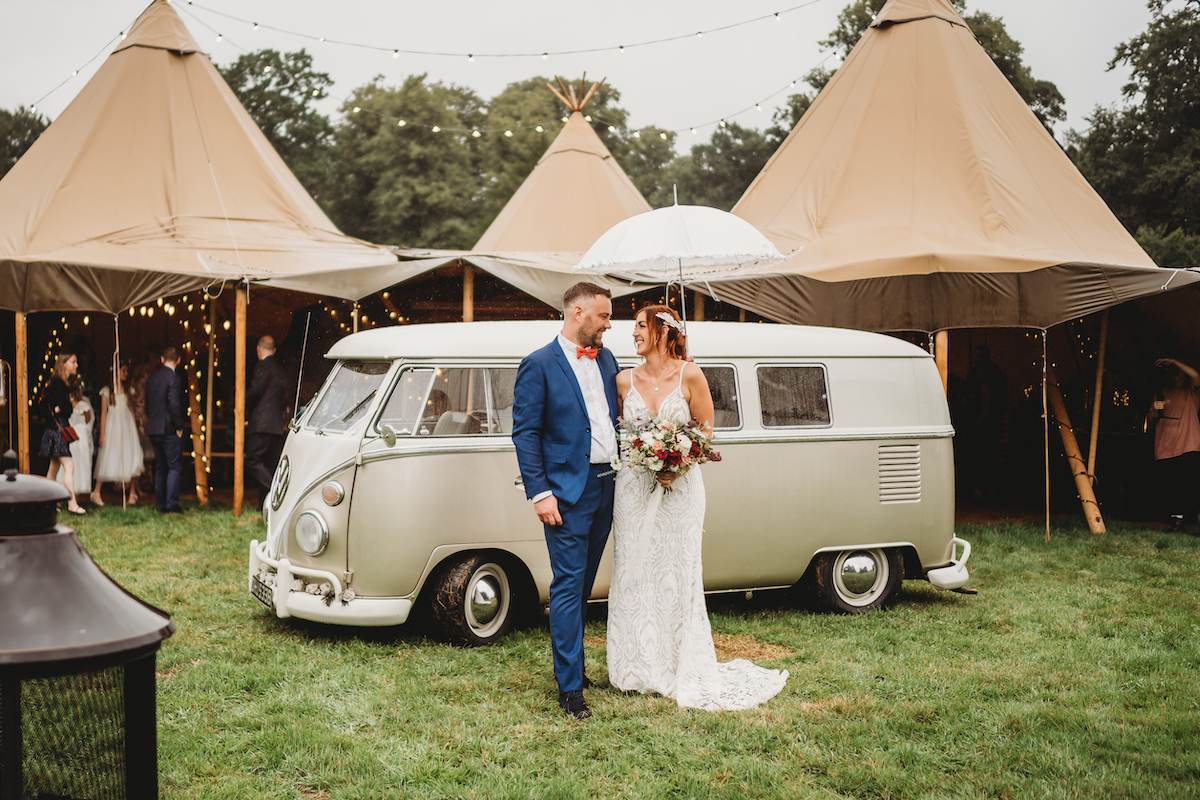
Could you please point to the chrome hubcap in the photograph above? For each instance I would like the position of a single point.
(485, 599)
(859, 572)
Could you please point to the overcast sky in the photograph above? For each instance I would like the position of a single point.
(676, 85)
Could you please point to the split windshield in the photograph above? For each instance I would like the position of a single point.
(351, 393)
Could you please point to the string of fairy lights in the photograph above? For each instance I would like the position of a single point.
(477, 132)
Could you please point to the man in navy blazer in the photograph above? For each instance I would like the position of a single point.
(564, 429)
(164, 426)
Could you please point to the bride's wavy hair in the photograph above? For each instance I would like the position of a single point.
(676, 340)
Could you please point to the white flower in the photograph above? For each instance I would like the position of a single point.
(347, 595)
(297, 584)
(325, 588)
(312, 588)
(641, 418)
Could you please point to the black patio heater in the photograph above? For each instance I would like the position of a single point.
(77, 710)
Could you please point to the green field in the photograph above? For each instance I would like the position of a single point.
(1073, 673)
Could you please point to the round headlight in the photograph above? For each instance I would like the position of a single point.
(283, 473)
(332, 493)
(312, 534)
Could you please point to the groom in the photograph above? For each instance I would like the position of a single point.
(564, 428)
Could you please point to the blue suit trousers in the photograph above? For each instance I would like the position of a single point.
(575, 548)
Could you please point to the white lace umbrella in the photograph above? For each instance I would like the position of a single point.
(678, 244)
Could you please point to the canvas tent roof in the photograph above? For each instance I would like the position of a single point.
(155, 181)
(575, 193)
(919, 192)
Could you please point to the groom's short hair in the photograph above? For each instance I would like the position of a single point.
(582, 289)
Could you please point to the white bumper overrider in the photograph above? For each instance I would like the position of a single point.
(288, 598)
(955, 575)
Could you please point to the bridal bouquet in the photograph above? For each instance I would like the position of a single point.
(654, 445)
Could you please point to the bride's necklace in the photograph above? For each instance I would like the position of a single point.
(651, 378)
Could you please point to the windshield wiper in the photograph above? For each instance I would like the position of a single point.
(350, 413)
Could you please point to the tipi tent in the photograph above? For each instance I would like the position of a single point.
(919, 192)
(155, 181)
(575, 193)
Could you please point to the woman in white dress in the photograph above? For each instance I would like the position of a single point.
(659, 638)
(119, 458)
(81, 449)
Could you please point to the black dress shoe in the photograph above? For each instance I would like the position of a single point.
(573, 703)
(174, 510)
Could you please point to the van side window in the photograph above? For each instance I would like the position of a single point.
(452, 401)
(409, 406)
(793, 396)
(722, 382)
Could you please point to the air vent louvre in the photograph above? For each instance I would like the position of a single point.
(900, 473)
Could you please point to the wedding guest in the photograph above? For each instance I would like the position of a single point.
(164, 414)
(81, 449)
(1177, 440)
(54, 441)
(266, 402)
(119, 459)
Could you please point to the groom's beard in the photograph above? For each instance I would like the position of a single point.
(592, 337)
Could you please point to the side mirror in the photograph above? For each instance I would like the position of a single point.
(389, 435)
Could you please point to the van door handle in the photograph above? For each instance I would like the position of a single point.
(519, 481)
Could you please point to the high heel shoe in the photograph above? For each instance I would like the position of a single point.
(76, 511)
(95, 498)
(133, 498)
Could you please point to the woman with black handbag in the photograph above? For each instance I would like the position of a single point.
(59, 434)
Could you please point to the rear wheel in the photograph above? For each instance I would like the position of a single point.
(474, 603)
(851, 581)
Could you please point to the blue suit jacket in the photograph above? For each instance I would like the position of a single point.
(550, 421)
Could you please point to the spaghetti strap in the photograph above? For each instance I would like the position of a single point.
(679, 386)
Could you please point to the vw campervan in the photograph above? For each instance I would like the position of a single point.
(399, 484)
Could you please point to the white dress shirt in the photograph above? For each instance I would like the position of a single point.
(591, 383)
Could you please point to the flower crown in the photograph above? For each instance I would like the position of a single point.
(670, 321)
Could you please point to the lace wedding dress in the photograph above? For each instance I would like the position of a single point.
(659, 638)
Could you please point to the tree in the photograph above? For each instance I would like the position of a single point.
(718, 173)
(277, 90)
(650, 150)
(1144, 159)
(400, 181)
(1043, 97)
(18, 131)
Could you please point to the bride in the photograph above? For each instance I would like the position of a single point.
(659, 639)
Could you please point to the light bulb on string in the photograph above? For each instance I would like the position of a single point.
(539, 129)
(255, 26)
(470, 58)
(476, 134)
(663, 136)
(395, 54)
(436, 129)
(612, 129)
(401, 124)
(508, 133)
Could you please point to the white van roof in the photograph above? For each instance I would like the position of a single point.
(517, 339)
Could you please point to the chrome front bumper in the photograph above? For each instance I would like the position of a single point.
(317, 595)
(955, 575)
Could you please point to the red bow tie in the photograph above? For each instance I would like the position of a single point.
(590, 352)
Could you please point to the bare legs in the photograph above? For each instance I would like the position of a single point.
(68, 468)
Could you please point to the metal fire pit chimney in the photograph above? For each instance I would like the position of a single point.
(77, 652)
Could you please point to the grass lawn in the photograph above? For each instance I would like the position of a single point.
(1073, 673)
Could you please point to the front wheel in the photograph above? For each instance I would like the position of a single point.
(851, 581)
(474, 604)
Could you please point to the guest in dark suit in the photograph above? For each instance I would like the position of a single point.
(267, 401)
(164, 426)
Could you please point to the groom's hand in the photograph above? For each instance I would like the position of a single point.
(547, 511)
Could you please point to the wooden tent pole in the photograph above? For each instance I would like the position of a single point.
(941, 356)
(22, 394)
(1046, 435)
(1091, 510)
(1096, 398)
(239, 402)
(197, 432)
(468, 314)
(354, 318)
(698, 307)
(208, 395)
